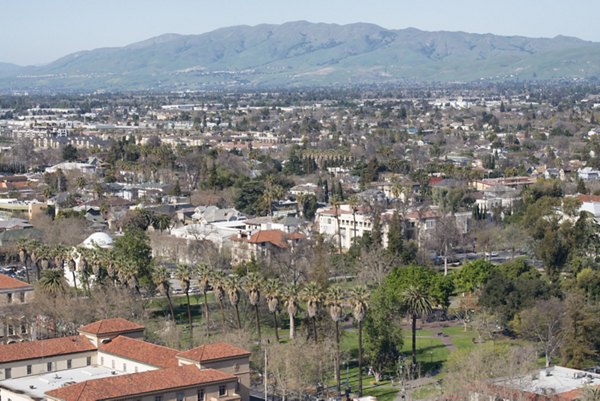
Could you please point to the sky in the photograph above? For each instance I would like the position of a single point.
(40, 31)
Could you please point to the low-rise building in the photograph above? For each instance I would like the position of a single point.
(109, 360)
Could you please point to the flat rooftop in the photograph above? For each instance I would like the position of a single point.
(554, 380)
(36, 385)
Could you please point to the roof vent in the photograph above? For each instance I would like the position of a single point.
(31, 386)
(106, 340)
(114, 372)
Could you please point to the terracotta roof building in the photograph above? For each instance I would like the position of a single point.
(262, 243)
(108, 361)
(152, 383)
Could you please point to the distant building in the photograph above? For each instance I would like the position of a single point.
(588, 174)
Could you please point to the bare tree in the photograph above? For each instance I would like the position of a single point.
(542, 323)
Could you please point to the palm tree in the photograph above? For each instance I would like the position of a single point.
(205, 273)
(252, 285)
(23, 254)
(53, 282)
(292, 300)
(271, 193)
(73, 269)
(232, 284)
(417, 303)
(183, 273)
(272, 289)
(336, 202)
(334, 298)
(161, 222)
(359, 298)
(312, 296)
(160, 278)
(300, 201)
(219, 283)
(353, 201)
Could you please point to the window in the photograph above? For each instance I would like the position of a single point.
(180, 396)
(88, 361)
(135, 369)
(222, 391)
(9, 298)
(49, 366)
(7, 373)
(28, 369)
(124, 367)
(102, 361)
(69, 363)
(112, 364)
(23, 329)
(22, 297)
(158, 398)
(200, 394)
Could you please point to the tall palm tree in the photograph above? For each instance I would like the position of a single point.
(183, 274)
(353, 201)
(219, 288)
(359, 297)
(336, 202)
(205, 273)
(312, 295)
(53, 282)
(417, 303)
(252, 287)
(160, 278)
(292, 300)
(233, 286)
(334, 299)
(73, 269)
(272, 290)
(23, 255)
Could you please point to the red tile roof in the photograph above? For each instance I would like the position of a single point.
(9, 283)
(111, 326)
(153, 381)
(275, 237)
(45, 348)
(588, 198)
(215, 351)
(141, 351)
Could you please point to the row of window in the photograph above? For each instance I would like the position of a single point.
(9, 297)
(113, 365)
(200, 394)
(49, 367)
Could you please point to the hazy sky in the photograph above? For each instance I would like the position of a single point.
(40, 31)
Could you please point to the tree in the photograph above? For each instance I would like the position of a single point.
(252, 287)
(312, 295)
(580, 331)
(80, 182)
(383, 335)
(291, 294)
(219, 282)
(543, 323)
(69, 153)
(205, 273)
(473, 275)
(444, 238)
(183, 273)
(134, 249)
(334, 299)
(359, 298)
(160, 278)
(53, 282)
(233, 286)
(417, 304)
(272, 291)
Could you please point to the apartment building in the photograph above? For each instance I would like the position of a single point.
(110, 360)
(14, 294)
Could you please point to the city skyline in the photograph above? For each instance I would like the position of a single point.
(41, 32)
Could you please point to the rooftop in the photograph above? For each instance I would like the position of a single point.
(123, 386)
(552, 381)
(111, 326)
(215, 351)
(36, 386)
(44, 348)
(141, 351)
(9, 283)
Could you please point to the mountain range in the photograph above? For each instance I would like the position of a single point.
(300, 54)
